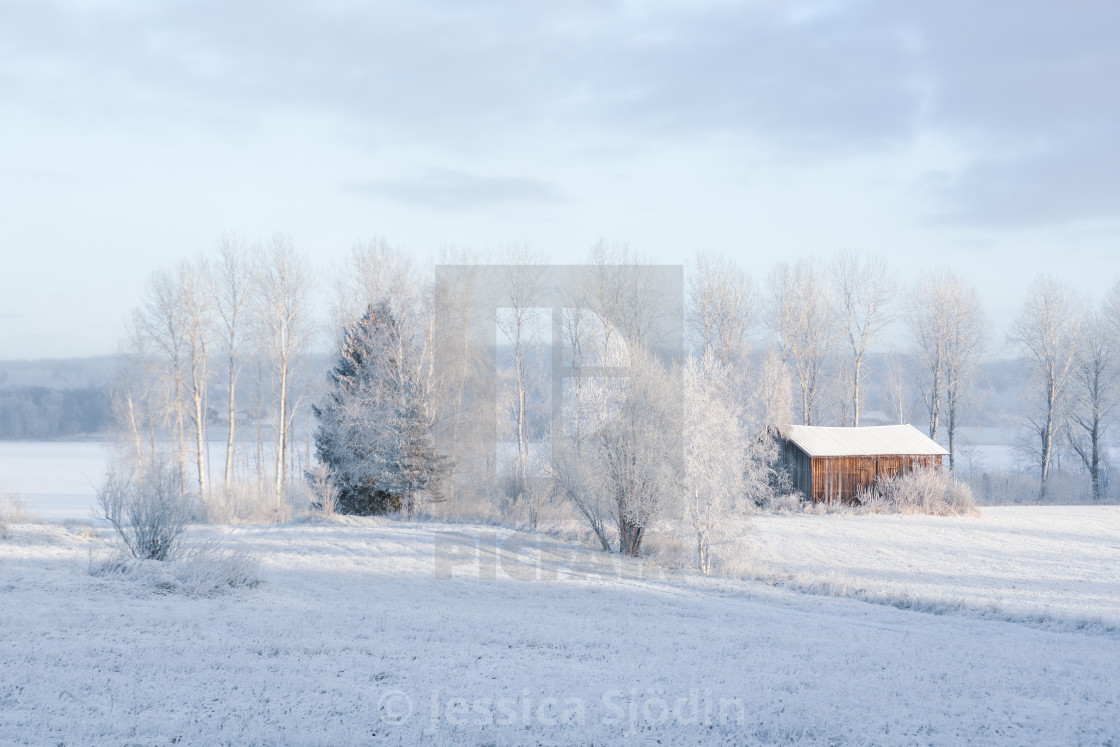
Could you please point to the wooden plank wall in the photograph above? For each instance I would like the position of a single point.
(842, 478)
(799, 465)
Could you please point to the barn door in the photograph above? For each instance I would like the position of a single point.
(888, 466)
(866, 474)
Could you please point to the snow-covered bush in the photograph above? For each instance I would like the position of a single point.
(785, 502)
(922, 491)
(148, 511)
(201, 570)
(13, 508)
(320, 484)
(673, 550)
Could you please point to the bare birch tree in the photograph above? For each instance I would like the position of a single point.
(1094, 396)
(896, 387)
(233, 286)
(929, 324)
(161, 315)
(282, 287)
(721, 308)
(1048, 331)
(520, 324)
(196, 299)
(715, 454)
(378, 273)
(965, 342)
(948, 330)
(139, 393)
(802, 315)
(865, 289)
(459, 418)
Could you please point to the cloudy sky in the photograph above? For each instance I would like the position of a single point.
(982, 136)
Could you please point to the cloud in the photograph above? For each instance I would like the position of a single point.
(456, 190)
(449, 72)
(1024, 87)
(1067, 183)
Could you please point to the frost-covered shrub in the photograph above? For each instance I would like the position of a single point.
(319, 479)
(922, 491)
(146, 510)
(240, 503)
(673, 550)
(788, 502)
(201, 570)
(13, 508)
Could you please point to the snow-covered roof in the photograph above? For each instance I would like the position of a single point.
(820, 441)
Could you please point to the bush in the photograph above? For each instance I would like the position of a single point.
(13, 509)
(146, 510)
(922, 491)
(202, 570)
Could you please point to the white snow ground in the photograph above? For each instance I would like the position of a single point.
(389, 632)
(1058, 566)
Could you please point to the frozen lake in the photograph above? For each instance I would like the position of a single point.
(58, 478)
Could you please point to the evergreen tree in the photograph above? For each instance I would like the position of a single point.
(410, 464)
(373, 432)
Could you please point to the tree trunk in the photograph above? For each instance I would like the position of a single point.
(1095, 468)
(281, 433)
(232, 421)
(180, 436)
(200, 442)
(134, 426)
(1047, 450)
(855, 391)
(952, 434)
(630, 538)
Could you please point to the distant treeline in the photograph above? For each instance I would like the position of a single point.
(39, 412)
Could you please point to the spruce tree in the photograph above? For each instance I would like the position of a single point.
(373, 432)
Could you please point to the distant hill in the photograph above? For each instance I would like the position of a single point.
(60, 373)
(55, 398)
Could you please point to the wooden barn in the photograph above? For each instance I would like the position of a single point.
(828, 464)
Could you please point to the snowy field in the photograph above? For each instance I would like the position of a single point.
(1058, 566)
(400, 633)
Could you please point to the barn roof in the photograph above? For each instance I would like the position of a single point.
(820, 441)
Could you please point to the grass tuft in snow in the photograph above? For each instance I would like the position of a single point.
(205, 569)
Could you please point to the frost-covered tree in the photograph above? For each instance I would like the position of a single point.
(282, 289)
(374, 430)
(948, 330)
(715, 454)
(721, 308)
(519, 324)
(1094, 397)
(865, 288)
(357, 407)
(408, 465)
(1049, 332)
(802, 315)
(196, 299)
(626, 469)
(232, 299)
